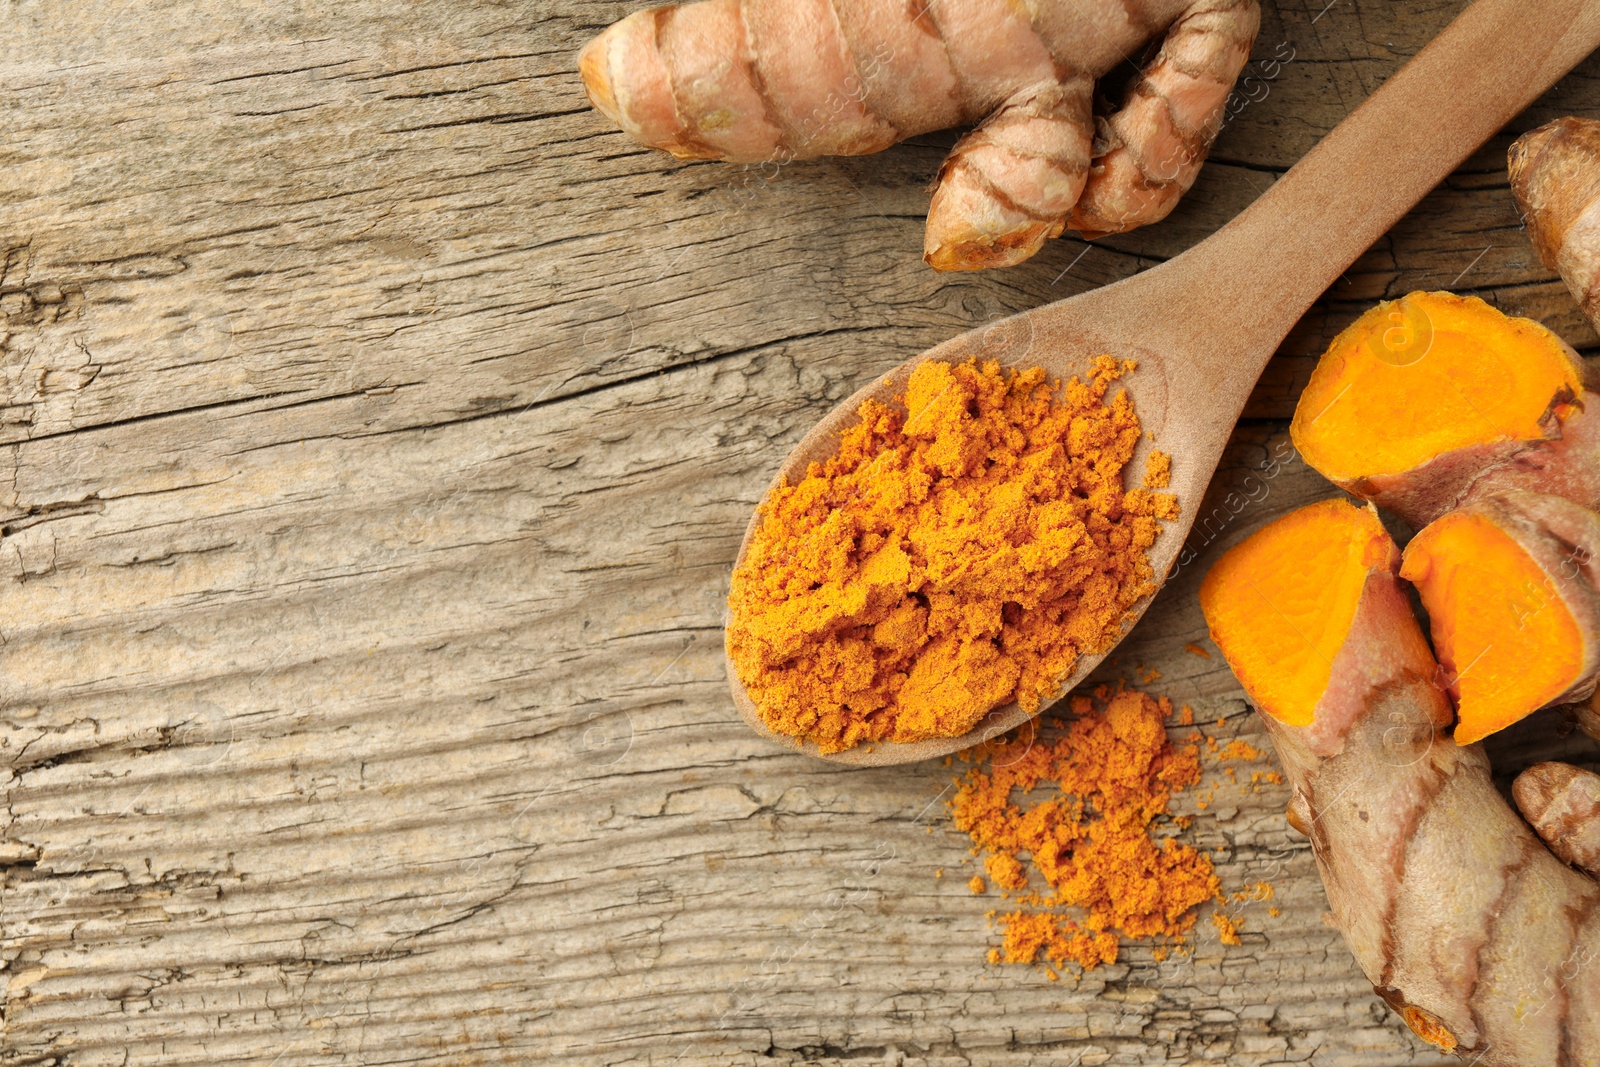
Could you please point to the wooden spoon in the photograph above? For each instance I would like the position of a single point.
(1203, 324)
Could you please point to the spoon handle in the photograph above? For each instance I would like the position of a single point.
(1268, 265)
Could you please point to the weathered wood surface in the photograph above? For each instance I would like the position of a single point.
(378, 428)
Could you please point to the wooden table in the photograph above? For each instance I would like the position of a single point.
(379, 427)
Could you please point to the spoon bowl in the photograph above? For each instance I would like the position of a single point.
(1203, 325)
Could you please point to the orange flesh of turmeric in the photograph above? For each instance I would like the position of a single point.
(1280, 603)
(1507, 642)
(954, 555)
(1429, 373)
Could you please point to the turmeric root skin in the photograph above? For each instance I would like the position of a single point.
(1564, 462)
(769, 81)
(1483, 941)
(1555, 176)
(1433, 400)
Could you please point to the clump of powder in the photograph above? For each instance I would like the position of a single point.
(1099, 842)
(958, 552)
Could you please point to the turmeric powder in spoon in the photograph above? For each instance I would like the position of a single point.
(959, 552)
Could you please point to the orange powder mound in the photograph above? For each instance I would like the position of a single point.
(960, 551)
(1094, 843)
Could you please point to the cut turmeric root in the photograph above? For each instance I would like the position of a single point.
(1510, 585)
(1285, 600)
(770, 81)
(1484, 942)
(1426, 401)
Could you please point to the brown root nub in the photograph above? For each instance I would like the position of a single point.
(1427, 1026)
(1562, 803)
(1008, 185)
(1555, 176)
(1298, 813)
(1427, 401)
(1587, 715)
(1149, 152)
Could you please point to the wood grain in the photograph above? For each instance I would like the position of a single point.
(378, 428)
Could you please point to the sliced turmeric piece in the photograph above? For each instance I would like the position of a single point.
(1281, 603)
(1509, 584)
(1429, 399)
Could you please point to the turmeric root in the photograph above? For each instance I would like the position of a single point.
(769, 81)
(1511, 583)
(1427, 401)
(1484, 942)
(1148, 154)
(1555, 176)
(1563, 805)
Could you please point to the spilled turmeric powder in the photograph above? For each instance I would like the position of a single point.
(1227, 928)
(1237, 749)
(1095, 845)
(959, 552)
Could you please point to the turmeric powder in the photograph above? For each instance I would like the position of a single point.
(959, 552)
(1093, 845)
(1227, 928)
(1237, 749)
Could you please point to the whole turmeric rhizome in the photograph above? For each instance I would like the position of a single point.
(960, 551)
